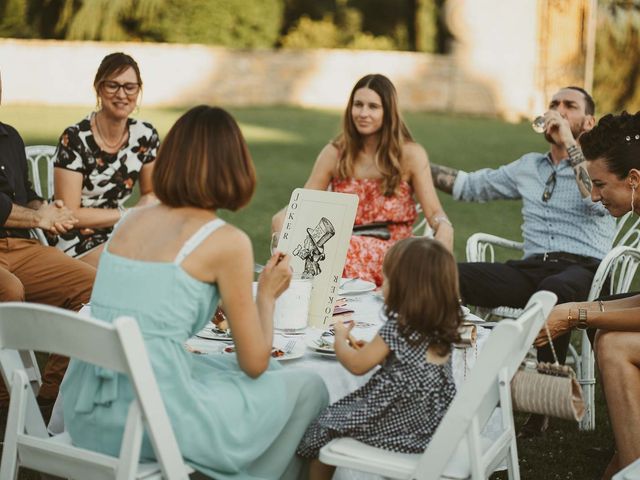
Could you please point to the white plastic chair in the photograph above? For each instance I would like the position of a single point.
(38, 155)
(619, 266)
(630, 472)
(119, 347)
(457, 449)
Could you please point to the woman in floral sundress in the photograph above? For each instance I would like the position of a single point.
(99, 160)
(376, 158)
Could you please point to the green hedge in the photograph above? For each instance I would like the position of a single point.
(14, 19)
(365, 24)
(234, 23)
(617, 65)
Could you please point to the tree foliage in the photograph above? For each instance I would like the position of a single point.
(234, 23)
(617, 66)
(106, 19)
(14, 20)
(374, 24)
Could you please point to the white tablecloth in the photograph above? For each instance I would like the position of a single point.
(367, 310)
(339, 382)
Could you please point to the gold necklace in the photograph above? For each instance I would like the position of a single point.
(115, 146)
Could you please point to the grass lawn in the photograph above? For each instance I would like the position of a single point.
(284, 143)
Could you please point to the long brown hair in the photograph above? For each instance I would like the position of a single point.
(204, 162)
(393, 134)
(422, 279)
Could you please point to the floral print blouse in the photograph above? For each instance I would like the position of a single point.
(108, 178)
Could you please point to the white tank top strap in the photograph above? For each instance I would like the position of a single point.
(197, 238)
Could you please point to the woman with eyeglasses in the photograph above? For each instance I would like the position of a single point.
(99, 160)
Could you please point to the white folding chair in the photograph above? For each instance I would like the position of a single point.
(630, 472)
(457, 449)
(40, 158)
(118, 347)
(619, 267)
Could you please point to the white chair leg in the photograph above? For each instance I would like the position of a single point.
(588, 380)
(33, 371)
(475, 450)
(513, 466)
(131, 444)
(15, 424)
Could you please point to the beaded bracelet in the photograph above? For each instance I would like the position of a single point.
(442, 219)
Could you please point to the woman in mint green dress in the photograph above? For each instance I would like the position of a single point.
(168, 265)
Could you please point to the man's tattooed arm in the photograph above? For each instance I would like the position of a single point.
(443, 177)
(579, 165)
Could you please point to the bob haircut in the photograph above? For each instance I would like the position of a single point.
(422, 293)
(114, 64)
(615, 140)
(204, 162)
(393, 134)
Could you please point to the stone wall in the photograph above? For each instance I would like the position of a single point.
(61, 73)
(508, 58)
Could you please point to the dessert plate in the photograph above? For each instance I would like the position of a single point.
(354, 286)
(213, 333)
(321, 345)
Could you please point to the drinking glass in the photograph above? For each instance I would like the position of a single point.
(538, 124)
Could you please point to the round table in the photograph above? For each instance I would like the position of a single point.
(369, 318)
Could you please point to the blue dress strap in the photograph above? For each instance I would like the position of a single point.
(197, 238)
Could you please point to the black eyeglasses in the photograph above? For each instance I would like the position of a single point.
(549, 186)
(111, 87)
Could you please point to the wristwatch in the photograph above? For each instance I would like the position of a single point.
(582, 319)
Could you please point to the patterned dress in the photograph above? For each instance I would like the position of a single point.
(398, 409)
(365, 254)
(108, 178)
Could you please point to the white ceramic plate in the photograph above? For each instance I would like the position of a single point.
(355, 286)
(214, 334)
(297, 353)
(323, 354)
(321, 345)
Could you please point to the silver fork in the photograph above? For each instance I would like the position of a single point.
(288, 348)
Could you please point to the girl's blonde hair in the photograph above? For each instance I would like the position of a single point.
(393, 134)
(423, 292)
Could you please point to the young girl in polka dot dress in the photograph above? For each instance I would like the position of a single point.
(402, 404)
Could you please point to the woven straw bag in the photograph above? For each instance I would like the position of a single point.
(548, 389)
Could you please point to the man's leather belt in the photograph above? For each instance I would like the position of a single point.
(563, 257)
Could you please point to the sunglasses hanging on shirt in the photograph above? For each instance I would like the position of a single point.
(549, 186)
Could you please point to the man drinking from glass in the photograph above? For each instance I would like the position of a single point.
(565, 234)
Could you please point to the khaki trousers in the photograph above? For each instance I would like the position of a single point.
(32, 272)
